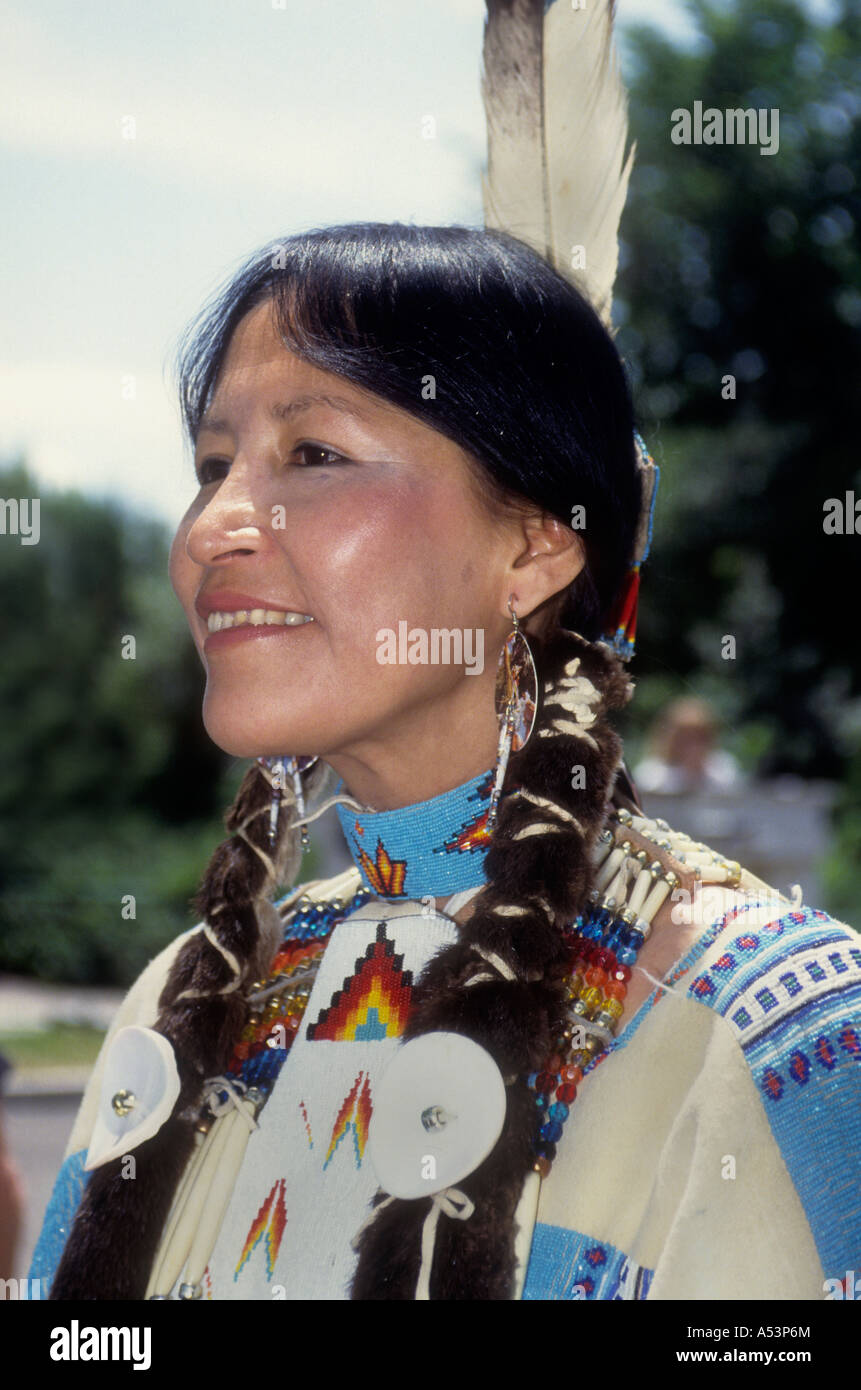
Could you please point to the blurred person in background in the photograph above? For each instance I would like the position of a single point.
(683, 756)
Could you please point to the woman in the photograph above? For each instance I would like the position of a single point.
(393, 427)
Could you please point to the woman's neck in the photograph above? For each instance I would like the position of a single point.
(426, 761)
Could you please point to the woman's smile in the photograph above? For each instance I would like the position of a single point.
(296, 554)
(244, 616)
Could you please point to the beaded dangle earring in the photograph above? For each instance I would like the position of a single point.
(278, 769)
(516, 701)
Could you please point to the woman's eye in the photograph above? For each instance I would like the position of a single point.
(316, 455)
(211, 469)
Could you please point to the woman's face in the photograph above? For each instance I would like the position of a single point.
(323, 501)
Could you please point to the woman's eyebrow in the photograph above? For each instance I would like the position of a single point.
(287, 409)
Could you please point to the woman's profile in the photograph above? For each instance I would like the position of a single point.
(533, 1043)
(661, 1142)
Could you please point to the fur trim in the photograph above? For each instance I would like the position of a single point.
(549, 874)
(543, 875)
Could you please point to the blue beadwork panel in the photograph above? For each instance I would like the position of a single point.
(59, 1214)
(566, 1265)
(791, 991)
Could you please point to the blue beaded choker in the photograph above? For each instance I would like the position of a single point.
(430, 849)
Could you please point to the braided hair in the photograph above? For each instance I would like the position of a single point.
(539, 872)
(550, 420)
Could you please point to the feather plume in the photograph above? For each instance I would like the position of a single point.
(557, 126)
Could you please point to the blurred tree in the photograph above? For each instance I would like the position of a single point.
(747, 265)
(110, 788)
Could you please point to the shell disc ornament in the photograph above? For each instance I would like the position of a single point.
(140, 1084)
(438, 1112)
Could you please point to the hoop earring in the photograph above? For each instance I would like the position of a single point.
(278, 769)
(516, 702)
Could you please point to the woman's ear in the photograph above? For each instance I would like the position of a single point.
(550, 556)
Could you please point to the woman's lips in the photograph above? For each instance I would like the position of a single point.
(232, 617)
(249, 632)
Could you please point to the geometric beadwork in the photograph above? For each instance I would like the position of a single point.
(799, 1068)
(791, 983)
(567, 1265)
(373, 1003)
(772, 1084)
(815, 971)
(353, 1114)
(267, 1226)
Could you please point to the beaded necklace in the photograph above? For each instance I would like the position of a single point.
(278, 1003)
(429, 849)
(604, 944)
(634, 861)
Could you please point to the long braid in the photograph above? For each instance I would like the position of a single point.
(202, 1009)
(501, 984)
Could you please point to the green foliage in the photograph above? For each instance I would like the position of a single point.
(110, 788)
(746, 264)
(109, 785)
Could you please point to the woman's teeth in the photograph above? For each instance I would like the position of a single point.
(257, 617)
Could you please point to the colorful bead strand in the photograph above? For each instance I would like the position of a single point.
(605, 942)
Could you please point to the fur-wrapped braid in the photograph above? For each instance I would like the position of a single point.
(500, 985)
(203, 1009)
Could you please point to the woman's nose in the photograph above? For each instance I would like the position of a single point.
(233, 519)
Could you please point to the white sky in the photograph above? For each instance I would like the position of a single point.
(251, 122)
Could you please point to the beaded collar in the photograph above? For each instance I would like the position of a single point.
(429, 849)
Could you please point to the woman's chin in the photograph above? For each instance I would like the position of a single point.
(256, 739)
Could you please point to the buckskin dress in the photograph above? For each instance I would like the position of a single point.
(713, 1152)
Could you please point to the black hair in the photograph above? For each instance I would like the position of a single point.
(526, 378)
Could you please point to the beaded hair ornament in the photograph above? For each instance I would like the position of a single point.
(621, 632)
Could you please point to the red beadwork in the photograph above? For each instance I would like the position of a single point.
(596, 977)
(597, 968)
